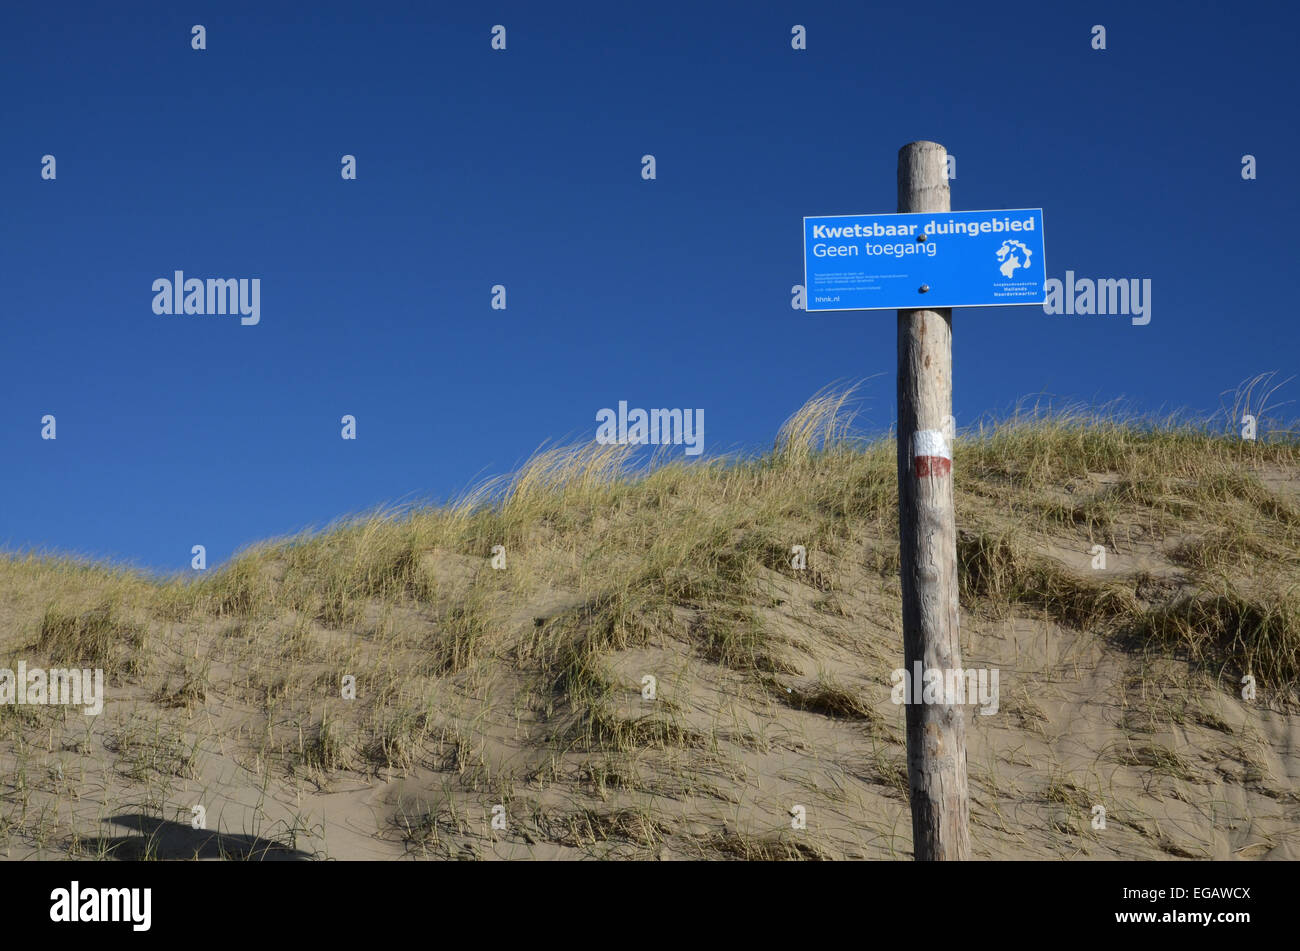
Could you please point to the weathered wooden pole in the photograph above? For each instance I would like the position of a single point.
(927, 531)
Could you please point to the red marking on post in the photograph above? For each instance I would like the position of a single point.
(932, 466)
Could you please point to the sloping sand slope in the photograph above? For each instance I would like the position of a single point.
(522, 687)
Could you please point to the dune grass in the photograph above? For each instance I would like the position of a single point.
(604, 557)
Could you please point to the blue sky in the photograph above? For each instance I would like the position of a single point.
(523, 168)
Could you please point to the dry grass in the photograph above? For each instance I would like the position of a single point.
(511, 679)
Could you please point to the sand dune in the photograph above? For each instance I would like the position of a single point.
(504, 712)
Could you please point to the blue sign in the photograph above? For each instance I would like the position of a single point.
(944, 259)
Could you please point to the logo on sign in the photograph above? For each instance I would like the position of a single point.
(1008, 258)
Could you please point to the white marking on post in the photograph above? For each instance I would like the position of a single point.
(930, 453)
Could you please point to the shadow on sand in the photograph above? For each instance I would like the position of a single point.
(161, 839)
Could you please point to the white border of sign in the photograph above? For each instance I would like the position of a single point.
(896, 214)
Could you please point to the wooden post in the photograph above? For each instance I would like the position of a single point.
(927, 531)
